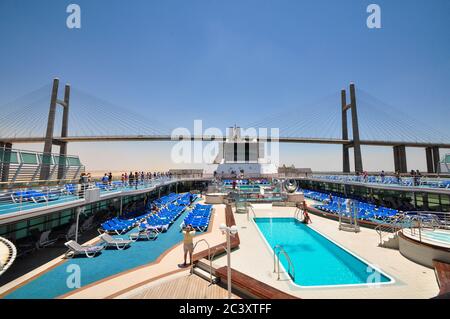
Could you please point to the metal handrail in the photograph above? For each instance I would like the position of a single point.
(276, 257)
(390, 227)
(421, 220)
(209, 256)
(248, 211)
(299, 211)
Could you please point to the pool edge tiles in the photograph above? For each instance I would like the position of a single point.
(389, 280)
(53, 283)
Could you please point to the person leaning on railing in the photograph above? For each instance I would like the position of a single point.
(83, 182)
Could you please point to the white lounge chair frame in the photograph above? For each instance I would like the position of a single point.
(76, 249)
(110, 241)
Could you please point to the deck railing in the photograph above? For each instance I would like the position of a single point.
(24, 198)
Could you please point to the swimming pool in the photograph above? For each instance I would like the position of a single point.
(317, 260)
(443, 236)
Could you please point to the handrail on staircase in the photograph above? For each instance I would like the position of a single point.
(209, 256)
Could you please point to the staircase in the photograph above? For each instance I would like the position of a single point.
(203, 269)
(388, 232)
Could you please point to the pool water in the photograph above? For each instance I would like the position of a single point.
(317, 260)
(443, 236)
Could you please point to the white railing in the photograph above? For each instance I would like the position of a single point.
(404, 181)
(277, 250)
(299, 211)
(250, 208)
(23, 199)
(391, 226)
(421, 223)
(12, 253)
(209, 256)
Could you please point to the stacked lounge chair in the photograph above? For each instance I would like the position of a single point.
(117, 226)
(144, 231)
(199, 217)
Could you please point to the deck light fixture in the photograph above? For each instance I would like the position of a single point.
(229, 231)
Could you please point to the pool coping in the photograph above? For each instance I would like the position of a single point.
(292, 282)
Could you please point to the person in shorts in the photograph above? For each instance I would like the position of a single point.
(188, 243)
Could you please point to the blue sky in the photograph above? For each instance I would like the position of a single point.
(231, 62)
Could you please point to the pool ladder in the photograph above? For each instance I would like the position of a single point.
(250, 208)
(277, 250)
(299, 212)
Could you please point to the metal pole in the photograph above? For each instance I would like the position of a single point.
(229, 263)
(78, 210)
(339, 213)
(420, 227)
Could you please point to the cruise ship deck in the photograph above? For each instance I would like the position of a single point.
(359, 265)
(237, 157)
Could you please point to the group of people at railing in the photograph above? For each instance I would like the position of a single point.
(414, 178)
(126, 180)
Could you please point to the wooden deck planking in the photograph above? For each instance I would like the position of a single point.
(186, 287)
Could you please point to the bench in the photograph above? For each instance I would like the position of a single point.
(250, 286)
(442, 271)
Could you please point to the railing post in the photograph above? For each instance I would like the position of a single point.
(420, 228)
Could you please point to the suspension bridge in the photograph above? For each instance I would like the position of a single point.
(334, 120)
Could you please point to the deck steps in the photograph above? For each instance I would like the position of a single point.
(391, 242)
(203, 269)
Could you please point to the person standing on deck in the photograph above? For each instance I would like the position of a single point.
(131, 179)
(136, 179)
(188, 243)
(413, 176)
(83, 182)
(382, 175)
(398, 176)
(418, 177)
(105, 179)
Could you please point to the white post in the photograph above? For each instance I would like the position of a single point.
(120, 211)
(78, 210)
(229, 231)
(229, 263)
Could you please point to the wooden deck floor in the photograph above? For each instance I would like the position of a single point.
(186, 287)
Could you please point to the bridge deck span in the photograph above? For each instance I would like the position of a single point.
(162, 138)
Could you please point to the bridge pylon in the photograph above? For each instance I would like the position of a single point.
(356, 142)
(49, 140)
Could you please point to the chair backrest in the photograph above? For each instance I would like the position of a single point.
(72, 230)
(106, 237)
(72, 244)
(44, 236)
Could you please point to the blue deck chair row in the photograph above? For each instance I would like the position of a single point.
(366, 211)
(199, 217)
(118, 226)
(34, 196)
